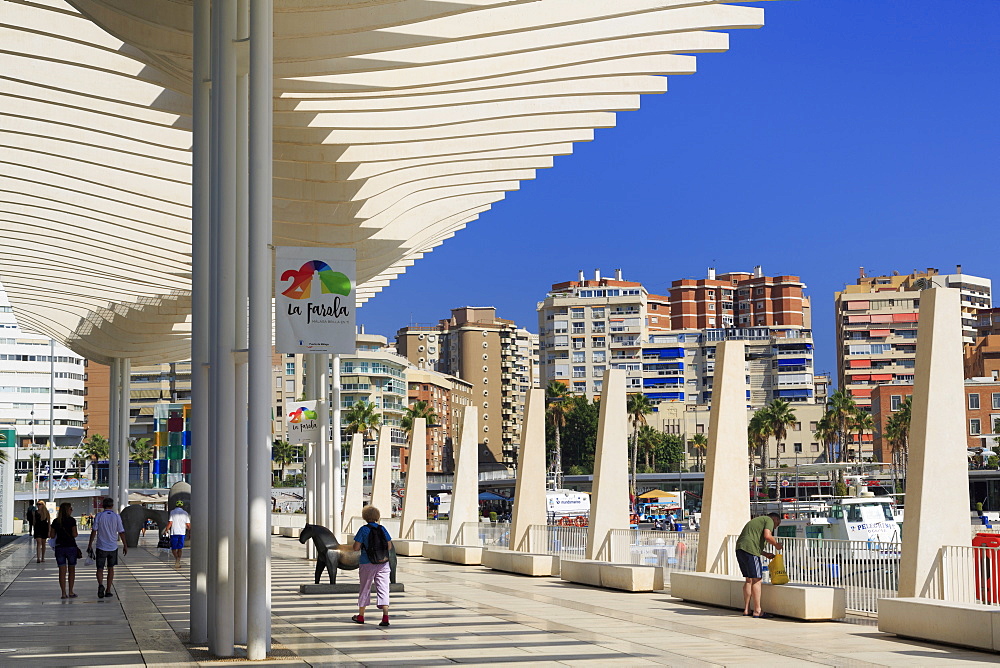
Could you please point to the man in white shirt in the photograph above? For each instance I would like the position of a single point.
(178, 527)
(107, 529)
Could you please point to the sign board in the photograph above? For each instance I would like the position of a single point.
(8, 446)
(314, 300)
(785, 483)
(302, 422)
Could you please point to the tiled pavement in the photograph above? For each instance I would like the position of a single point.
(448, 615)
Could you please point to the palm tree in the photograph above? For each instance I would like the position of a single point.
(362, 418)
(758, 433)
(862, 422)
(638, 407)
(840, 412)
(284, 453)
(897, 433)
(700, 443)
(141, 451)
(418, 409)
(649, 438)
(556, 394)
(826, 432)
(780, 415)
(95, 449)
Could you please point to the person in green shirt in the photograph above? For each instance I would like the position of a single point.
(756, 535)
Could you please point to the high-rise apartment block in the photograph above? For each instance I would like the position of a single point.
(982, 357)
(877, 325)
(666, 344)
(447, 396)
(494, 355)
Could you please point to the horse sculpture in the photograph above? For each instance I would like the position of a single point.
(331, 555)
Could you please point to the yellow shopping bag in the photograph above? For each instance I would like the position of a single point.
(779, 575)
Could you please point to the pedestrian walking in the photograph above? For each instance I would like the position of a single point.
(178, 527)
(374, 543)
(756, 535)
(64, 531)
(40, 530)
(107, 530)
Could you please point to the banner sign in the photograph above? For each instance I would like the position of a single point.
(8, 441)
(314, 300)
(303, 422)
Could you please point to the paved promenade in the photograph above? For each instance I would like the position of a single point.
(448, 615)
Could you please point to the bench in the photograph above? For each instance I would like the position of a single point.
(468, 555)
(523, 563)
(806, 602)
(408, 548)
(625, 577)
(965, 624)
(290, 532)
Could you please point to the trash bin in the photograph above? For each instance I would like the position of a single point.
(678, 526)
(987, 565)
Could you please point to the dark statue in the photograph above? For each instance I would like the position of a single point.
(331, 555)
(135, 515)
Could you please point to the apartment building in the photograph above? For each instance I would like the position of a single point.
(877, 325)
(447, 396)
(666, 344)
(495, 356)
(34, 401)
(375, 373)
(982, 410)
(982, 357)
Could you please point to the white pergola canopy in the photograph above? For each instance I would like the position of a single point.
(396, 123)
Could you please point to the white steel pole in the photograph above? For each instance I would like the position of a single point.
(200, 282)
(323, 455)
(336, 507)
(113, 417)
(312, 468)
(240, 398)
(125, 374)
(52, 420)
(223, 369)
(259, 343)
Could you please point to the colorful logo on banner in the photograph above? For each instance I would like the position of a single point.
(332, 282)
(302, 424)
(303, 413)
(314, 295)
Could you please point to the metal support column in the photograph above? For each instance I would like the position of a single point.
(124, 455)
(323, 455)
(225, 137)
(336, 458)
(52, 420)
(113, 418)
(259, 342)
(201, 269)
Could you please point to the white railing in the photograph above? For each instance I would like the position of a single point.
(867, 570)
(494, 535)
(563, 542)
(967, 575)
(673, 551)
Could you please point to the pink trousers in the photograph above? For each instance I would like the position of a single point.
(379, 574)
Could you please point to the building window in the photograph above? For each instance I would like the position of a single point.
(813, 426)
(797, 427)
(781, 448)
(996, 400)
(974, 427)
(814, 447)
(699, 429)
(289, 368)
(894, 401)
(973, 402)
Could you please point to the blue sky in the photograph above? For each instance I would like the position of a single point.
(842, 134)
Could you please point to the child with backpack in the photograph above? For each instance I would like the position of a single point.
(374, 543)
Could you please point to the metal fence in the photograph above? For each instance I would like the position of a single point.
(866, 570)
(673, 551)
(967, 575)
(564, 542)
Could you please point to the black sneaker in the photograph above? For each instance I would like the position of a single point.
(100, 591)
(384, 622)
(108, 594)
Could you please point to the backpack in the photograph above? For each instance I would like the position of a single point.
(377, 547)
